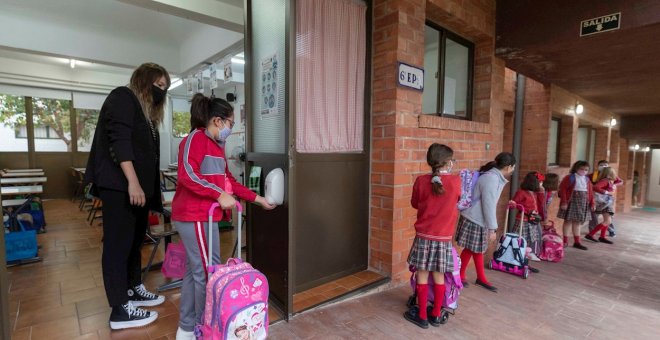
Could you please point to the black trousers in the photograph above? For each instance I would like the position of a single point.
(124, 227)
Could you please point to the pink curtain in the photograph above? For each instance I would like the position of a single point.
(330, 71)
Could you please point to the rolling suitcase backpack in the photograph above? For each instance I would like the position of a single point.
(510, 256)
(236, 296)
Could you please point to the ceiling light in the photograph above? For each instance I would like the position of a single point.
(579, 108)
(238, 61)
(176, 83)
(72, 63)
(241, 55)
(647, 149)
(636, 147)
(613, 122)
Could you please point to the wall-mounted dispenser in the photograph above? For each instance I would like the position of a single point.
(275, 187)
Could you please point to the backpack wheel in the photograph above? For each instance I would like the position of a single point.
(444, 317)
(526, 273)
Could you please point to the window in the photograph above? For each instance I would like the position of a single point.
(52, 122)
(180, 117)
(40, 132)
(448, 61)
(553, 142)
(12, 118)
(582, 144)
(85, 126)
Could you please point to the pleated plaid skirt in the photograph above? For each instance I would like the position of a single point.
(433, 256)
(578, 208)
(532, 233)
(471, 236)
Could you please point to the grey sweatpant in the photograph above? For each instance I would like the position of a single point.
(193, 291)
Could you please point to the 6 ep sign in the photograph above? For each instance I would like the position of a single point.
(410, 76)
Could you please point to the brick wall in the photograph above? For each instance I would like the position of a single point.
(535, 128)
(401, 135)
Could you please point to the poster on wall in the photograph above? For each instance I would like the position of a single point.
(199, 81)
(189, 85)
(228, 71)
(213, 77)
(269, 98)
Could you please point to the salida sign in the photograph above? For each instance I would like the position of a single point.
(601, 24)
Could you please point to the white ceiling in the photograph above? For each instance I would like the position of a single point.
(113, 35)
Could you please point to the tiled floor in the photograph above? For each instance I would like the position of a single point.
(63, 296)
(607, 292)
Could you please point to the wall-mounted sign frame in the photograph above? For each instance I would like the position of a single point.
(602, 24)
(410, 76)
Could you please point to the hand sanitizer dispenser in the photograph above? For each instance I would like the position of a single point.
(275, 187)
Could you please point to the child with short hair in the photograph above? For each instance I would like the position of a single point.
(435, 196)
(577, 199)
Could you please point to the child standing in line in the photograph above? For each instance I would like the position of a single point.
(527, 196)
(603, 191)
(435, 196)
(204, 178)
(577, 199)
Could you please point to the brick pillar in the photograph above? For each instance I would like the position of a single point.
(624, 192)
(536, 128)
(398, 35)
(568, 141)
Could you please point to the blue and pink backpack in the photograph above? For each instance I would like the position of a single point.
(468, 182)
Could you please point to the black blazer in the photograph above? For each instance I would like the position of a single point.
(123, 134)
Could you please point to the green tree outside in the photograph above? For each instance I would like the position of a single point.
(180, 123)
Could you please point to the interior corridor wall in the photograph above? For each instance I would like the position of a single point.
(653, 193)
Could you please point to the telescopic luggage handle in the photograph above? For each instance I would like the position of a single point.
(239, 209)
(522, 216)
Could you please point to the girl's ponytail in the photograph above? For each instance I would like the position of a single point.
(199, 111)
(436, 181)
(486, 167)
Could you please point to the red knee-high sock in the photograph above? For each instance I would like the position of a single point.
(565, 239)
(422, 300)
(439, 297)
(465, 259)
(576, 239)
(595, 230)
(603, 230)
(479, 265)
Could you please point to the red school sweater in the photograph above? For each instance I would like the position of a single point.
(436, 214)
(203, 175)
(529, 200)
(567, 186)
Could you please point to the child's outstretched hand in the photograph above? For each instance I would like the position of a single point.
(264, 204)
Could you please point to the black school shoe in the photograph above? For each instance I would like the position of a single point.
(485, 285)
(412, 315)
(129, 316)
(534, 270)
(465, 284)
(579, 246)
(140, 296)
(604, 240)
(591, 238)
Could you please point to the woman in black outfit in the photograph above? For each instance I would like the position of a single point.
(123, 167)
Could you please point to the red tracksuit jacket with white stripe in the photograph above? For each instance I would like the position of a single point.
(203, 175)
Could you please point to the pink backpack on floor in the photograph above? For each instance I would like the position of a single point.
(552, 249)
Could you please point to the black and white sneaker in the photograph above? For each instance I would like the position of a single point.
(129, 316)
(140, 296)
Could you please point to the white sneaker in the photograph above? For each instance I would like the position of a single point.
(533, 257)
(140, 296)
(183, 335)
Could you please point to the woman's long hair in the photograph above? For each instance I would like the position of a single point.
(141, 82)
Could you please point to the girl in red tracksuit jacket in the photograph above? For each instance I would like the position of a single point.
(604, 193)
(435, 196)
(203, 178)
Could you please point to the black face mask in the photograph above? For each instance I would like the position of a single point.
(157, 94)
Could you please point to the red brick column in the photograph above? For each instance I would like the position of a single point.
(568, 140)
(602, 145)
(536, 128)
